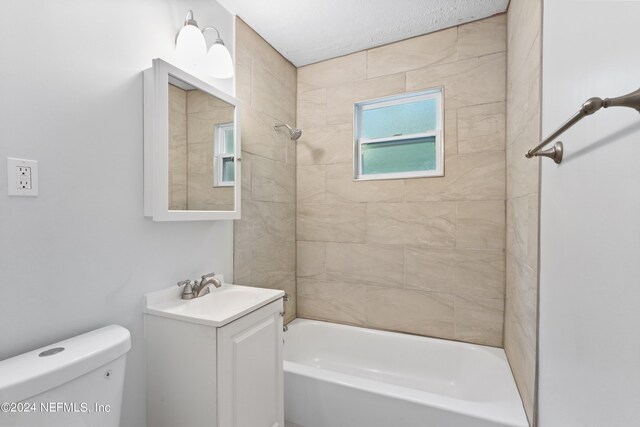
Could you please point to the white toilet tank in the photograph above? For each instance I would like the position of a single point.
(72, 383)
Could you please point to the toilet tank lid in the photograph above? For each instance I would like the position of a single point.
(29, 374)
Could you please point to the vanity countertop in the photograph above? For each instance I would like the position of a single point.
(221, 306)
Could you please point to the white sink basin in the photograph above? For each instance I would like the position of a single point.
(219, 307)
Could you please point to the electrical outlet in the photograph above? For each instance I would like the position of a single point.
(22, 177)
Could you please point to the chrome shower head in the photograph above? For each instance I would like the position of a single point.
(294, 133)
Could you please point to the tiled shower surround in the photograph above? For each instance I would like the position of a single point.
(264, 239)
(523, 132)
(422, 255)
(425, 255)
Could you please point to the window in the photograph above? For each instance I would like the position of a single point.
(399, 136)
(224, 156)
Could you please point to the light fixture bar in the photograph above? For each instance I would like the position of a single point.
(192, 48)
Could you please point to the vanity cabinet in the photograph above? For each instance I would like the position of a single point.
(200, 375)
(250, 389)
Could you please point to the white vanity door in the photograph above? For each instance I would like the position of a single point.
(250, 379)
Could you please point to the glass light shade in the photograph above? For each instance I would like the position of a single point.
(190, 45)
(220, 61)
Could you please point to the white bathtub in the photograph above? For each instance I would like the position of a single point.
(343, 376)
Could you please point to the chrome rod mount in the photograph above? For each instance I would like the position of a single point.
(630, 100)
(554, 152)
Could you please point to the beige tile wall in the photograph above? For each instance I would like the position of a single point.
(523, 132)
(264, 239)
(177, 148)
(424, 255)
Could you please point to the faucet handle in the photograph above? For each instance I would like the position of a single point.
(206, 276)
(187, 291)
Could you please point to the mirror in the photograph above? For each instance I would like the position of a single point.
(201, 150)
(193, 147)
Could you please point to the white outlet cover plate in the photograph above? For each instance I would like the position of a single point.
(12, 177)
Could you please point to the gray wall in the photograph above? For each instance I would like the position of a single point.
(81, 255)
(589, 373)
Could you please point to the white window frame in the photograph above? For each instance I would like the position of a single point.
(404, 98)
(220, 155)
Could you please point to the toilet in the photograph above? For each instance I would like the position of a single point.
(72, 383)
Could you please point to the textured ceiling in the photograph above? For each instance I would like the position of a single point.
(308, 31)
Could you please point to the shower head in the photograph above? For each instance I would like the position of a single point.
(294, 133)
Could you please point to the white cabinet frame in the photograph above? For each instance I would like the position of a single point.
(156, 145)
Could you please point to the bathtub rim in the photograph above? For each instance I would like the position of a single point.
(509, 411)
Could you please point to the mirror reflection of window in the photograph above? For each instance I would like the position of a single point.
(224, 156)
(201, 150)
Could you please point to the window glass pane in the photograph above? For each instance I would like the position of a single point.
(228, 141)
(410, 155)
(402, 119)
(227, 169)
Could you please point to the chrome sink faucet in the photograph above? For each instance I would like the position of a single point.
(199, 287)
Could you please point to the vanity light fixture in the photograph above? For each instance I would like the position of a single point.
(190, 44)
(219, 57)
(191, 47)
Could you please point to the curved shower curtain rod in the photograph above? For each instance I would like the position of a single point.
(630, 100)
